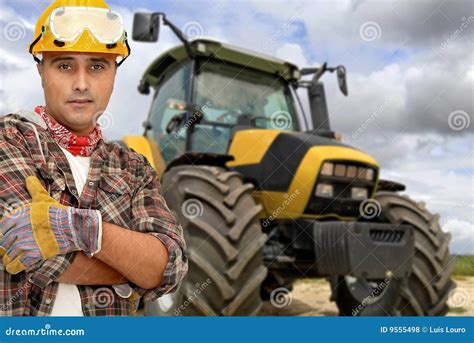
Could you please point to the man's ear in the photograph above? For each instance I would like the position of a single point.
(40, 66)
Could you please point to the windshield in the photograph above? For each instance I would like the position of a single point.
(235, 95)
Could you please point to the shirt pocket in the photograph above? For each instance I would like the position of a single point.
(114, 200)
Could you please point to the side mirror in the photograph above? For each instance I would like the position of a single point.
(146, 27)
(341, 79)
(144, 87)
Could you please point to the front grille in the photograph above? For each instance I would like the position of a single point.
(341, 203)
(386, 236)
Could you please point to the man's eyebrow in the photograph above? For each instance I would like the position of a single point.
(100, 59)
(61, 59)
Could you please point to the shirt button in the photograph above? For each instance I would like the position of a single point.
(74, 192)
(48, 301)
(91, 183)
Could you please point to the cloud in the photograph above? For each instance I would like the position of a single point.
(462, 236)
(404, 23)
(293, 53)
(416, 95)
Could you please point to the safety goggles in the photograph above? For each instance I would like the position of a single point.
(67, 24)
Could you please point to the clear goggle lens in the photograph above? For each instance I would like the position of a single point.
(68, 23)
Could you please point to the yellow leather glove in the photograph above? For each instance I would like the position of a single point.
(44, 229)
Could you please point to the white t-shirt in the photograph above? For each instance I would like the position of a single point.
(68, 300)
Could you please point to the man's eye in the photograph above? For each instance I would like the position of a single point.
(64, 67)
(97, 67)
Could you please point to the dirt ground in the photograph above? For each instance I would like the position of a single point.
(311, 298)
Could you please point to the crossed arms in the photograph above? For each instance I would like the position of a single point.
(126, 255)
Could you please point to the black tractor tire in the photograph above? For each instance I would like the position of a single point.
(224, 241)
(426, 291)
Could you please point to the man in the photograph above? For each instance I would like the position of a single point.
(84, 230)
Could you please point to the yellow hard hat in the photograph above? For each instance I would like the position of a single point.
(80, 26)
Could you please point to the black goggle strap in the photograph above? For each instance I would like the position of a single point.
(37, 60)
(128, 50)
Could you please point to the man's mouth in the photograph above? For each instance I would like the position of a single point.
(80, 101)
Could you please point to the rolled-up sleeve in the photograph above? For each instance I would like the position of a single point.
(151, 215)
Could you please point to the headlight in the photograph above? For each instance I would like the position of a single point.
(327, 169)
(361, 172)
(369, 175)
(340, 170)
(359, 193)
(352, 172)
(324, 190)
(365, 173)
(348, 171)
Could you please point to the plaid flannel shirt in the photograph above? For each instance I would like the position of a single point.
(121, 184)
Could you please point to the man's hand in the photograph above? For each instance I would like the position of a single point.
(44, 229)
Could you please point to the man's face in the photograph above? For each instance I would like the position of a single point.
(77, 87)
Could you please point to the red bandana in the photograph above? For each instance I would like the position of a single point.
(76, 145)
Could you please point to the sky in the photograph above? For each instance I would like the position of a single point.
(410, 77)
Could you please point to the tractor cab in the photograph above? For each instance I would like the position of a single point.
(200, 103)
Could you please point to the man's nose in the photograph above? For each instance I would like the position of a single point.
(81, 81)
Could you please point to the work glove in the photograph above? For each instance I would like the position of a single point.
(45, 228)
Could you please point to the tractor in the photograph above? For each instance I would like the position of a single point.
(267, 193)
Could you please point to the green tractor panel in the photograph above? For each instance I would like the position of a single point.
(267, 193)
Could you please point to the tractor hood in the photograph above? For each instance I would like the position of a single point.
(279, 161)
(271, 158)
